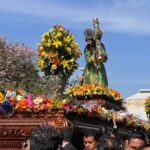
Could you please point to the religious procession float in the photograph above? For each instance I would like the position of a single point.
(87, 103)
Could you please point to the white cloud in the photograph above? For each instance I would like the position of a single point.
(128, 16)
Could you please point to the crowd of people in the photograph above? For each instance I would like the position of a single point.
(48, 138)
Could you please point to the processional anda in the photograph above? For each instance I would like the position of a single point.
(91, 99)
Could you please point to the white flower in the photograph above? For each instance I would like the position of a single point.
(9, 94)
(38, 100)
(19, 97)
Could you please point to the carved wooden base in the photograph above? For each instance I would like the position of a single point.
(14, 131)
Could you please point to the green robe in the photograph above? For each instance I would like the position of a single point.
(95, 73)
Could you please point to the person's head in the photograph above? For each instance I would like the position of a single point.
(89, 37)
(26, 145)
(109, 132)
(68, 134)
(125, 142)
(107, 143)
(144, 147)
(90, 138)
(135, 140)
(44, 138)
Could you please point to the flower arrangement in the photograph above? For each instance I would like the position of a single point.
(58, 52)
(147, 106)
(94, 110)
(20, 101)
(91, 90)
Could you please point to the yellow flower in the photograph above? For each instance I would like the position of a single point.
(72, 60)
(69, 49)
(74, 45)
(43, 54)
(88, 92)
(43, 41)
(49, 42)
(68, 91)
(41, 63)
(59, 104)
(72, 37)
(59, 34)
(61, 29)
(67, 39)
(94, 92)
(57, 43)
(54, 66)
(147, 125)
(104, 110)
(41, 48)
(51, 30)
(1, 97)
(65, 64)
(46, 34)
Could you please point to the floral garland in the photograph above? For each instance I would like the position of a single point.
(94, 110)
(147, 106)
(21, 102)
(91, 90)
(58, 52)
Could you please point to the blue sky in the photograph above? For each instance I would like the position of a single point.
(125, 25)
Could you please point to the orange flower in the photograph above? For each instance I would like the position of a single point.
(1, 97)
(93, 90)
(21, 92)
(86, 87)
(56, 61)
(22, 105)
(48, 106)
(50, 54)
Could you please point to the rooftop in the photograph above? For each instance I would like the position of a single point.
(136, 104)
(142, 94)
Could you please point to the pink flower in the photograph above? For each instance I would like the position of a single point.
(68, 107)
(12, 102)
(29, 99)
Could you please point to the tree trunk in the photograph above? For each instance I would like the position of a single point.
(56, 85)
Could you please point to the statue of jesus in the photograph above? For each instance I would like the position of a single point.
(95, 57)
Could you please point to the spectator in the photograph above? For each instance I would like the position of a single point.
(90, 138)
(126, 142)
(136, 139)
(45, 138)
(144, 147)
(114, 134)
(67, 141)
(107, 143)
